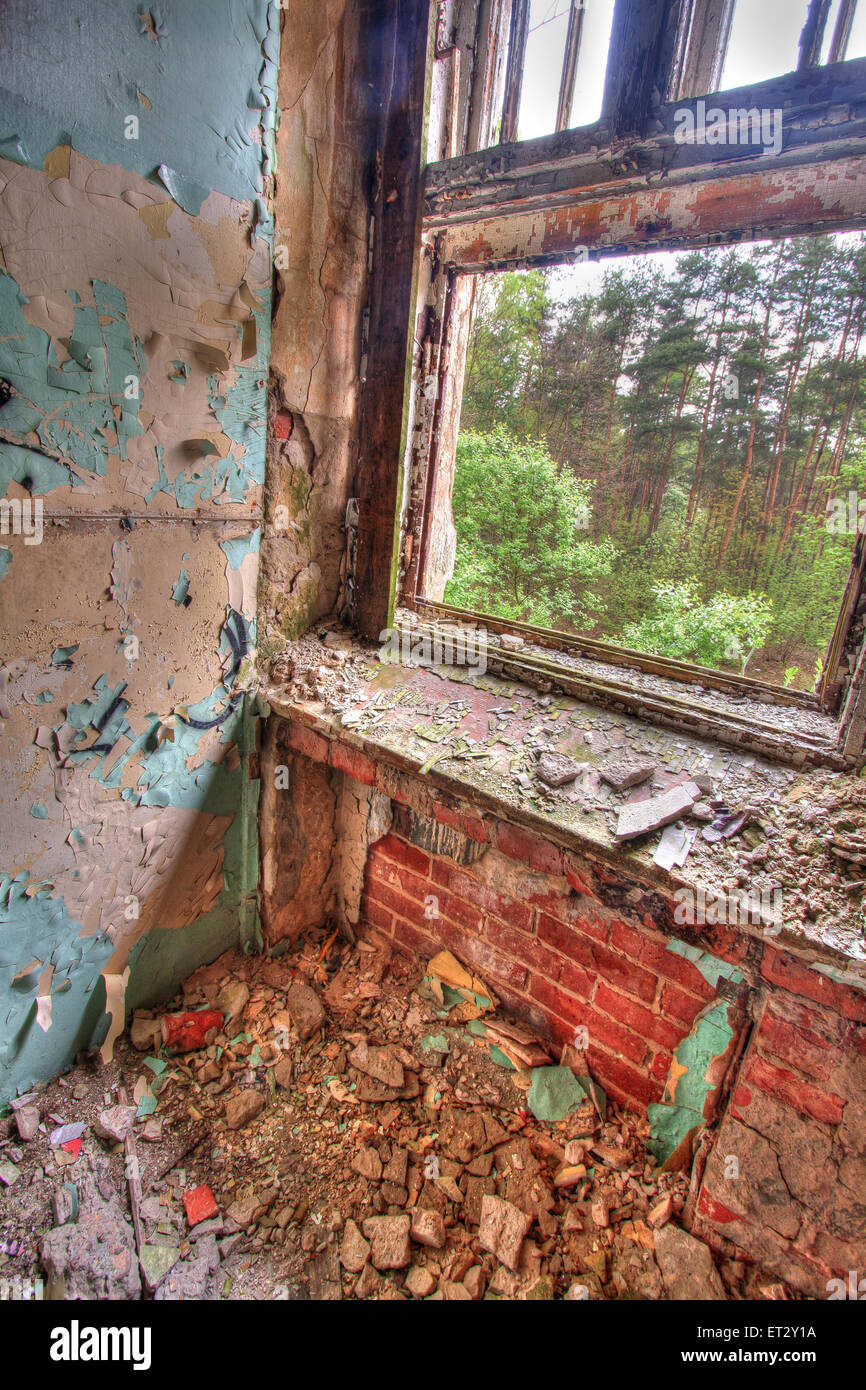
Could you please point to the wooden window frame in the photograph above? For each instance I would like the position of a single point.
(621, 186)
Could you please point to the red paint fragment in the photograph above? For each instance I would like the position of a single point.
(200, 1204)
(188, 1032)
(283, 424)
(72, 1146)
(715, 1210)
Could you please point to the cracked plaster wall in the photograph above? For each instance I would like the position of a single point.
(136, 167)
(326, 150)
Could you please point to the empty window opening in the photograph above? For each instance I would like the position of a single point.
(666, 452)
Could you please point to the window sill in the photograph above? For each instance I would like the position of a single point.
(370, 730)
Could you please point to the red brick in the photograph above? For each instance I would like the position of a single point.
(353, 762)
(579, 877)
(376, 915)
(714, 1210)
(728, 943)
(523, 845)
(793, 975)
(417, 940)
(283, 424)
(308, 742)
(598, 958)
(624, 1083)
(381, 893)
(558, 969)
(677, 1004)
(619, 971)
(787, 1086)
(605, 1032)
(200, 1204)
(569, 941)
(388, 872)
(393, 847)
(637, 1017)
(471, 826)
(518, 944)
(790, 1045)
(465, 914)
(558, 1001)
(566, 921)
(654, 954)
(660, 1065)
(576, 1013)
(472, 890)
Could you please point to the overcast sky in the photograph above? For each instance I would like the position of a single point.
(763, 44)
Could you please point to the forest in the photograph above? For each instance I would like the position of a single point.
(672, 459)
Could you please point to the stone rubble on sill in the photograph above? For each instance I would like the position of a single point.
(805, 832)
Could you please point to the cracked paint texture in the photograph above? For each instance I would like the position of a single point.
(134, 337)
(325, 147)
(691, 1082)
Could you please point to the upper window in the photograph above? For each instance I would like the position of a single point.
(636, 431)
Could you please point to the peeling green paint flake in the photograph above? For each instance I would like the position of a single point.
(237, 550)
(35, 925)
(61, 655)
(186, 192)
(195, 70)
(682, 1108)
(74, 409)
(45, 697)
(710, 966)
(180, 591)
(39, 811)
(553, 1093)
(5, 560)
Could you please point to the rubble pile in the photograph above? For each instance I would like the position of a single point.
(349, 1122)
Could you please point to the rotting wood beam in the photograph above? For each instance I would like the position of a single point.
(842, 31)
(569, 64)
(393, 283)
(820, 107)
(518, 34)
(641, 52)
(668, 667)
(705, 29)
(812, 36)
(651, 216)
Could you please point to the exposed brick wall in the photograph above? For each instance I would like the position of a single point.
(568, 940)
(554, 956)
(786, 1180)
(790, 1108)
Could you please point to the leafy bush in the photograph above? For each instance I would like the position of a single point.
(728, 629)
(521, 528)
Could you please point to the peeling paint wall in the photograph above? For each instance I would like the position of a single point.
(326, 152)
(136, 167)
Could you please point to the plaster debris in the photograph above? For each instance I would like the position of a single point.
(642, 817)
(449, 1188)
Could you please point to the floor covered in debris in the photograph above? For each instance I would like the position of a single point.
(344, 1121)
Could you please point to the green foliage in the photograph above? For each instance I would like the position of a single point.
(729, 628)
(711, 406)
(521, 551)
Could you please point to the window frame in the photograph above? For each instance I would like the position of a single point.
(620, 186)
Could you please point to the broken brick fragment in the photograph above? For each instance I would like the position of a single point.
(199, 1204)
